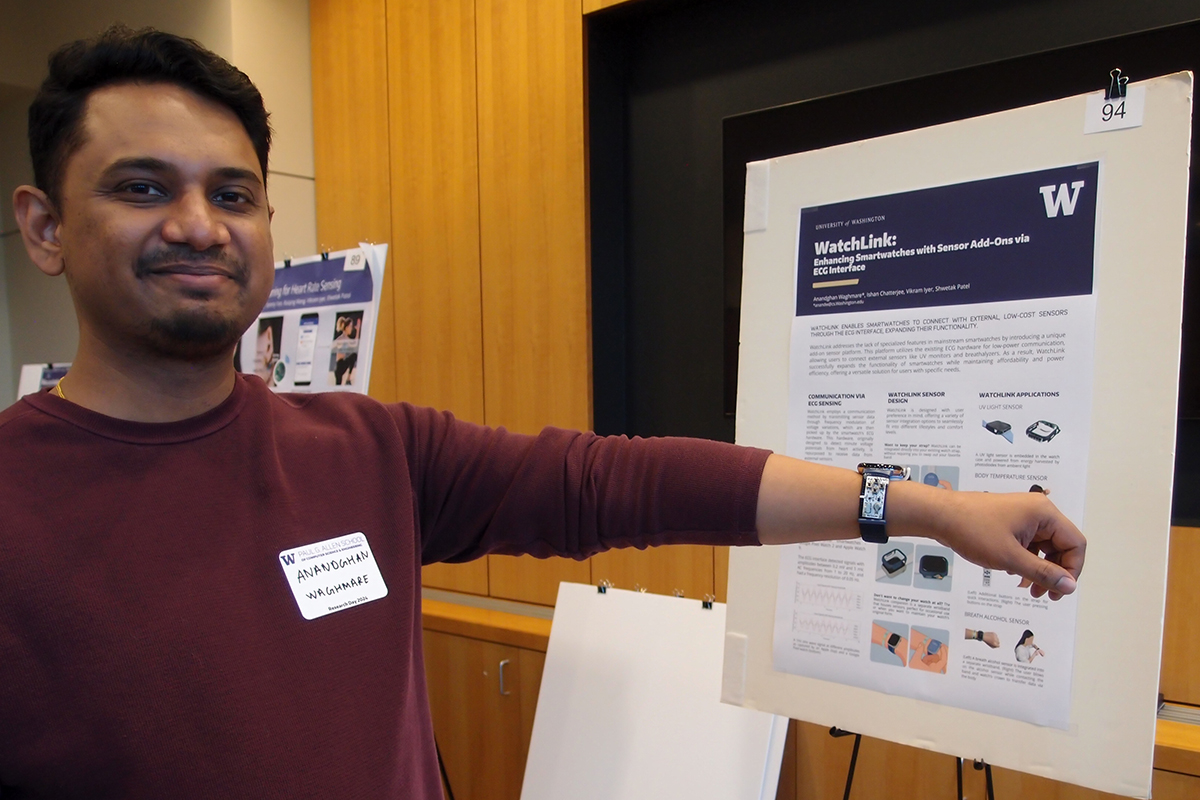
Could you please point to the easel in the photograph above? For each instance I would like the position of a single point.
(979, 764)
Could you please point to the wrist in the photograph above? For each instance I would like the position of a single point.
(919, 510)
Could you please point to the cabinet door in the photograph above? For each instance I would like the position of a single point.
(817, 771)
(1180, 680)
(483, 734)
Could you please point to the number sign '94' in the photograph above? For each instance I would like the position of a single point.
(1117, 113)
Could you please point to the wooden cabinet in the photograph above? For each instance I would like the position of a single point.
(483, 696)
(483, 669)
(815, 764)
(1179, 680)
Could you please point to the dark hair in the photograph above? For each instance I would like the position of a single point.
(121, 55)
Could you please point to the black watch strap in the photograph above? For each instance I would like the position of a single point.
(873, 532)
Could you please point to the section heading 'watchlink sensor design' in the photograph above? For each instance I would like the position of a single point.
(1042, 431)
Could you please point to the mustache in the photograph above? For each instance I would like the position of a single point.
(173, 255)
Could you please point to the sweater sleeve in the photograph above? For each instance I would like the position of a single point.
(482, 490)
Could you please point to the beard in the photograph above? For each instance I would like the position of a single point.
(193, 336)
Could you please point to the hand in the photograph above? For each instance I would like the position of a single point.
(990, 638)
(880, 636)
(1022, 533)
(924, 660)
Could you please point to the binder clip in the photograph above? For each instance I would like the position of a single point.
(604, 586)
(677, 592)
(287, 261)
(1116, 85)
(707, 601)
(637, 587)
(325, 254)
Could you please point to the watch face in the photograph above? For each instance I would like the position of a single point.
(874, 492)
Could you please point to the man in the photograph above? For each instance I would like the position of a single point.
(153, 641)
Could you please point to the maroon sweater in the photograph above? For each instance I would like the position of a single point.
(150, 645)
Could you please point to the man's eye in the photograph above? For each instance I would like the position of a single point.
(147, 189)
(231, 197)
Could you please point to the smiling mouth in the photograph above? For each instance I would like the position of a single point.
(191, 266)
(192, 270)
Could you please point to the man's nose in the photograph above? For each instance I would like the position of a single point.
(193, 220)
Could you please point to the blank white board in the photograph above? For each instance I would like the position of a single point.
(629, 707)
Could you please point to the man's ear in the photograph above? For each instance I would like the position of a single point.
(39, 223)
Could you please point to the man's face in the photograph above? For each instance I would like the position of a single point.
(164, 224)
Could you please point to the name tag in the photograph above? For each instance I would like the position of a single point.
(333, 575)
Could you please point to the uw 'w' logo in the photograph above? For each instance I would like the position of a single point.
(288, 558)
(1062, 200)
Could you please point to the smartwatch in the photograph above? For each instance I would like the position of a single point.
(872, 499)
(979, 636)
(892, 641)
(934, 567)
(893, 561)
(1042, 431)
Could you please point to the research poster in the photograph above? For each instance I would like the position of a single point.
(317, 330)
(948, 329)
(994, 303)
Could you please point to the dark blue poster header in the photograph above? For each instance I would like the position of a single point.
(318, 283)
(1019, 237)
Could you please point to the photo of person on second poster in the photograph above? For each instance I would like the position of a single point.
(343, 351)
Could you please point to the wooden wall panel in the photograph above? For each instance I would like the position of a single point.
(435, 204)
(533, 249)
(534, 580)
(721, 574)
(1180, 675)
(471, 577)
(532, 214)
(660, 570)
(351, 149)
(897, 772)
(596, 5)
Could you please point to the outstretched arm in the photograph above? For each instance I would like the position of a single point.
(1022, 533)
